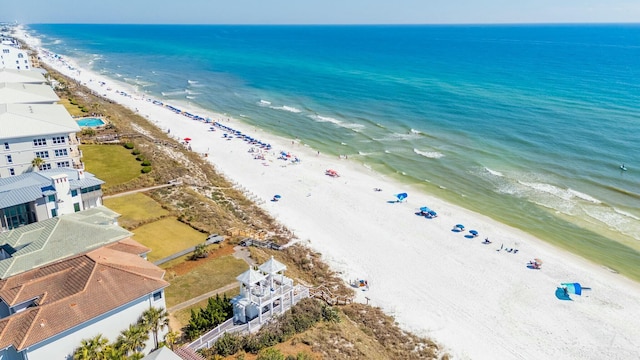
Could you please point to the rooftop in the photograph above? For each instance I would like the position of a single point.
(25, 93)
(54, 239)
(73, 291)
(21, 76)
(30, 186)
(30, 120)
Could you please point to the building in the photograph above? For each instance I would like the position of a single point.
(12, 57)
(48, 311)
(29, 131)
(55, 239)
(21, 76)
(37, 196)
(21, 93)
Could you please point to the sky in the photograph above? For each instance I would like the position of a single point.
(320, 11)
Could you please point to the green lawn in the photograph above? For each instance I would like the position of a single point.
(112, 163)
(135, 208)
(167, 236)
(74, 110)
(212, 274)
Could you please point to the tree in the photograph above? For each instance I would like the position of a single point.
(270, 354)
(170, 338)
(91, 349)
(200, 252)
(155, 320)
(36, 163)
(133, 339)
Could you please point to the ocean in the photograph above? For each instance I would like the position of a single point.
(526, 124)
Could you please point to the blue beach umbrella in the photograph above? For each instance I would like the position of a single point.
(460, 226)
(277, 196)
(433, 213)
(425, 209)
(402, 196)
(473, 232)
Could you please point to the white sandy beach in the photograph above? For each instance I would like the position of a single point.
(479, 303)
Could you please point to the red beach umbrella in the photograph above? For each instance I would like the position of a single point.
(187, 139)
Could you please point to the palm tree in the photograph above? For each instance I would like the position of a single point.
(133, 339)
(91, 349)
(155, 319)
(36, 163)
(170, 338)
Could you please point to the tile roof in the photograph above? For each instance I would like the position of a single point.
(163, 353)
(57, 238)
(186, 353)
(72, 292)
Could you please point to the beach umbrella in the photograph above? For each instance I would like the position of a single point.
(187, 139)
(277, 196)
(433, 213)
(473, 232)
(460, 226)
(425, 209)
(538, 261)
(401, 196)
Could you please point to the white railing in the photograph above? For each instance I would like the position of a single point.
(209, 339)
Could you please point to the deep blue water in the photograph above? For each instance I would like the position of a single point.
(528, 124)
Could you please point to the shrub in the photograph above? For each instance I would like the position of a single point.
(128, 145)
(146, 163)
(135, 152)
(228, 344)
(140, 158)
(146, 169)
(88, 132)
(270, 354)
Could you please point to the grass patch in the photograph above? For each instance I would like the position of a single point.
(167, 236)
(135, 209)
(210, 275)
(111, 163)
(74, 110)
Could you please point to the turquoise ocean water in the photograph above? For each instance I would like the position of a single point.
(526, 124)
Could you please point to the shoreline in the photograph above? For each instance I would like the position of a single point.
(480, 302)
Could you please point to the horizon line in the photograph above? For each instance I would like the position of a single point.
(329, 24)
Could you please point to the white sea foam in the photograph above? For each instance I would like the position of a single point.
(387, 152)
(343, 143)
(398, 137)
(429, 154)
(624, 213)
(414, 131)
(173, 93)
(584, 196)
(286, 108)
(264, 103)
(493, 172)
(353, 126)
(190, 97)
(192, 81)
(363, 153)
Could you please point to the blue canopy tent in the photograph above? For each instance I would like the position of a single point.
(566, 289)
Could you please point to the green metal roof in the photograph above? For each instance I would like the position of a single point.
(54, 239)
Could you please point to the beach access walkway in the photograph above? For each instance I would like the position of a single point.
(125, 193)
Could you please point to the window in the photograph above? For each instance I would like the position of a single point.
(20, 56)
(42, 154)
(51, 198)
(45, 167)
(60, 152)
(6, 146)
(54, 212)
(39, 142)
(76, 207)
(59, 140)
(74, 192)
(62, 164)
(157, 296)
(12, 171)
(9, 159)
(6, 51)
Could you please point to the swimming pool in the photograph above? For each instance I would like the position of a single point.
(90, 122)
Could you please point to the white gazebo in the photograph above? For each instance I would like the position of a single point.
(262, 291)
